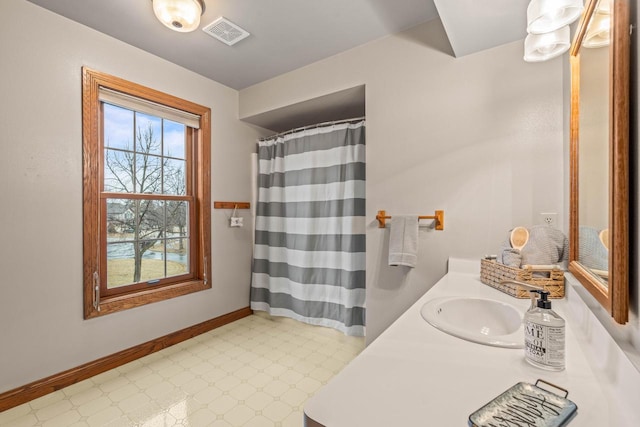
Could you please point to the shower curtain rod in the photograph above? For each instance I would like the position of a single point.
(319, 125)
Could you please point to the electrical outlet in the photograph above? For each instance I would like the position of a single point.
(549, 218)
(236, 222)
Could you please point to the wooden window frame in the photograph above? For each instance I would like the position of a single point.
(95, 217)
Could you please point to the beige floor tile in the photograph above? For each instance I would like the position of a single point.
(242, 391)
(63, 420)
(277, 411)
(149, 381)
(182, 378)
(309, 385)
(138, 373)
(45, 401)
(160, 389)
(123, 393)
(256, 372)
(294, 397)
(261, 363)
(217, 423)
(114, 384)
(144, 413)
(290, 377)
(194, 386)
(78, 388)
(295, 419)
(106, 376)
(222, 404)
(239, 415)
(133, 402)
(245, 372)
(260, 380)
(276, 388)
(275, 370)
(94, 406)
(106, 415)
(28, 420)
(14, 413)
(202, 368)
(259, 400)
(228, 382)
(53, 410)
(208, 395)
(261, 421)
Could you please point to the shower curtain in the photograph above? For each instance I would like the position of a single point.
(309, 250)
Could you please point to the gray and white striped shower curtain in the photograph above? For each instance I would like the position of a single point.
(309, 252)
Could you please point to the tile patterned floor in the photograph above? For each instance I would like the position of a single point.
(256, 372)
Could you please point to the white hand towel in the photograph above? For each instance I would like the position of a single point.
(403, 241)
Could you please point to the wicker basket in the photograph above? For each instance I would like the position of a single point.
(492, 273)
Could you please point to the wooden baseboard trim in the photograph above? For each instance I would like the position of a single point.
(26, 393)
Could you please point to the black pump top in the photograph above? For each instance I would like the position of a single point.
(543, 301)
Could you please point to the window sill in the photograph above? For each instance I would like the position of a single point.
(124, 302)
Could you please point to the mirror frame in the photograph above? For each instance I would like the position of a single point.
(614, 297)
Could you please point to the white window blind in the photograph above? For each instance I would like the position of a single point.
(142, 105)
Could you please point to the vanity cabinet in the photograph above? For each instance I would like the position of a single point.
(416, 375)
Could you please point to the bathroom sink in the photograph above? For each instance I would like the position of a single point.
(479, 320)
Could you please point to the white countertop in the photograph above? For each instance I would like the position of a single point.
(416, 375)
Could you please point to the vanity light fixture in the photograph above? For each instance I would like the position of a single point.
(179, 15)
(541, 47)
(598, 33)
(548, 27)
(544, 16)
(599, 30)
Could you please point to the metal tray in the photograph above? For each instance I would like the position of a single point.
(527, 405)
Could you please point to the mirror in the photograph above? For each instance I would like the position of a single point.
(599, 219)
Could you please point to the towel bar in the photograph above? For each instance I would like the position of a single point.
(438, 217)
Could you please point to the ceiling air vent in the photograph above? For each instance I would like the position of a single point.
(225, 31)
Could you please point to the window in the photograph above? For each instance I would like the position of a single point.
(146, 193)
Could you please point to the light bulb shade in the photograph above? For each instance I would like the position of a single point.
(542, 47)
(544, 16)
(604, 6)
(179, 15)
(598, 33)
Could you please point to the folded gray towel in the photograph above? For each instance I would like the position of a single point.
(591, 251)
(546, 245)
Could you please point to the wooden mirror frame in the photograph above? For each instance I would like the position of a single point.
(614, 297)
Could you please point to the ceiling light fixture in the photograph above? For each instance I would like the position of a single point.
(544, 16)
(541, 47)
(548, 27)
(179, 15)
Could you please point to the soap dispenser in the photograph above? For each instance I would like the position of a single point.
(544, 335)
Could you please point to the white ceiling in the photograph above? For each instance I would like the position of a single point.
(475, 25)
(289, 34)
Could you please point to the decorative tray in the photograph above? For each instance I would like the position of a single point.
(526, 405)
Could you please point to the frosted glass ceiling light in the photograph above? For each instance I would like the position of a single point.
(544, 16)
(541, 47)
(598, 31)
(179, 15)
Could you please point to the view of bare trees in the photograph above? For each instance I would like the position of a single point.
(144, 170)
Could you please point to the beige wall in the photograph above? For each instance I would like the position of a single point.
(479, 136)
(42, 331)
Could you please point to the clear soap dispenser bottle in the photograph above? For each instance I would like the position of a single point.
(544, 335)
